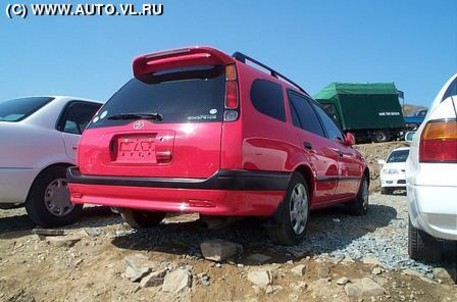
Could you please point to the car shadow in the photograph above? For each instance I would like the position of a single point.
(329, 230)
(19, 224)
(448, 258)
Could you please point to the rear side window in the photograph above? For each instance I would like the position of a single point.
(451, 90)
(18, 109)
(189, 94)
(306, 116)
(333, 131)
(76, 117)
(267, 98)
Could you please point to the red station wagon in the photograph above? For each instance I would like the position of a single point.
(200, 131)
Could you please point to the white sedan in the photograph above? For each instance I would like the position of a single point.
(393, 170)
(39, 137)
(431, 177)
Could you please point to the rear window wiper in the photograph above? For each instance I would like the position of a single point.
(136, 116)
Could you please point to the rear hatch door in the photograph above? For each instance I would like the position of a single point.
(165, 123)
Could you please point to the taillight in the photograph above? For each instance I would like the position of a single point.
(231, 103)
(231, 95)
(438, 142)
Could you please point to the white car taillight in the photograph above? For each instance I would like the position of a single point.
(438, 142)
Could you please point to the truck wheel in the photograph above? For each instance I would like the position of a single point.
(386, 191)
(292, 216)
(422, 246)
(48, 203)
(359, 206)
(381, 136)
(139, 219)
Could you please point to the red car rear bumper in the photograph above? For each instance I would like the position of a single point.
(230, 196)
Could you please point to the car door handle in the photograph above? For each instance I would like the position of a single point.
(74, 147)
(337, 151)
(308, 146)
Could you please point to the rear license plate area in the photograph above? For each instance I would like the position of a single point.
(135, 148)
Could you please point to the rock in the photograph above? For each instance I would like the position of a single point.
(322, 271)
(299, 286)
(352, 290)
(429, 281)
(441, 274)
(123, 233)
(371, 288)
(372, 262)
(258, 258)
(261, 277)
(153, 279)
(177, 281)
(204, 279)
(342, 281)
(271, 289)
(377, 271)
(49, 232)
(138, 266)
(299, 270)
(410, 272)
(63, 241)
(94, 232)
(136, 274)
(219, 250)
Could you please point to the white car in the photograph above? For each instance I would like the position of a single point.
(39, 137)
(431, 177)
(392, 174)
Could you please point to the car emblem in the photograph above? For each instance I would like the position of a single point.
(138, 125)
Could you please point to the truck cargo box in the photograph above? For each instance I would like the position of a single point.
(370, 111)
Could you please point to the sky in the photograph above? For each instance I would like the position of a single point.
(315, 42)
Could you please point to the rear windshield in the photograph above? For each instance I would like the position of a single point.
(398, 156)
(18, 109)
(191, 94)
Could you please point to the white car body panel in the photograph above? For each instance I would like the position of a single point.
(432, 187)
(31, 145)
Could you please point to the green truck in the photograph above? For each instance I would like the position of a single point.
(371, 112)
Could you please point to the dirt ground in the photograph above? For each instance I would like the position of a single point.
(86, 262)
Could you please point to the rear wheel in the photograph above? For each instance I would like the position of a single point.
(139, 219)
(359, 206)
(48, 203)
(381, 136)
(292, 216)
(422, 246)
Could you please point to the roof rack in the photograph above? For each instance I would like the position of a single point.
(243, 58)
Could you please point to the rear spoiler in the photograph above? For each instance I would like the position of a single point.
(179, 58)
(196, 55)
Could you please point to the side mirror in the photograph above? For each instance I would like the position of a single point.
(409, 136)
(349, 139)
(381, 162)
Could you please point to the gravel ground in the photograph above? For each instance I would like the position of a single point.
(337, 245)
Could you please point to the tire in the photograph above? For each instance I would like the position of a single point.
(292, 215)
(359, 206)
(422, 246)
(381, 136)
(386, 191)
(48, 203)
(139, 219)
